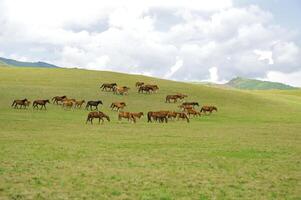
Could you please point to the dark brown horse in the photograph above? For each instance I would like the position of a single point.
(99, 115)
(118, 105)
(126, 115)
(42, 103)
(95, 104)
(58, 99)
(22, 102)
(209, 109)
(109, 86)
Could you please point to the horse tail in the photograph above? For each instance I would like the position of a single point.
(13, 103)
(102, 86)
(112, 105)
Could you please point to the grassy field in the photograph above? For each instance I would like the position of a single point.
(250, 149)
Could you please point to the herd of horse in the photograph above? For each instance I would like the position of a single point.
(186, 109)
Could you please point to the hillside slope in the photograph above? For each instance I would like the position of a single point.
(16, 63)
(252, 84)
(249, 149)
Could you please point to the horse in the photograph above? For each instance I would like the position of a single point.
(193, 112)
(99, 115)
(172, 115)
(67, 104)
(138, 115)
(159, 115)
(117, 105)
(191, 104)
(153, 87)
(93, 104)
(57, 99)
(109, 86)
(209, 109)
(185, 107)
(174, 97)
(78, 104)
(42, 103)
(126, 115)
(146, 89)
(22, 102)
(121, 90)
(138, 84)
(183, 116)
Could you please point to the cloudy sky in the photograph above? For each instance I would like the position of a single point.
(183, 40)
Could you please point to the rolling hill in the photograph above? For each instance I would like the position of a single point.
(249, 149)
(11, 62)
(252, 84)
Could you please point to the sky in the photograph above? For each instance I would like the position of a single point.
(194, 40)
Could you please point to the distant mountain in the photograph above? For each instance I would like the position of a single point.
(11, 62)
(253, 84)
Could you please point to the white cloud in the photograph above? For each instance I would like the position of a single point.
(127, 36)
(293, 79)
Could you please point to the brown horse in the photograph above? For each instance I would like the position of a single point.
(146, 89)
(138, 84)
(78, 104)
(138, 115)
(193, 112)
(121, 90)
(118, 105)
(67, 104)
(209, 109)
(42, 103)
(99, 115)
(22, 102)
(172, 115)
(190, 104)
(174, 97)
(153, 87)
(182, 116)
(160, 116)
(58, 99)
(185, 107)
(126, 115)
(109, 86)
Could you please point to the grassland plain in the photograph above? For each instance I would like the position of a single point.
(249, 149)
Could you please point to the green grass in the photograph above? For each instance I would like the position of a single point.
(250, 149)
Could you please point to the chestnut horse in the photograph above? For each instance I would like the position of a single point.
(126, 115)
(160, 116)
(209, 109)
(99, 115)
